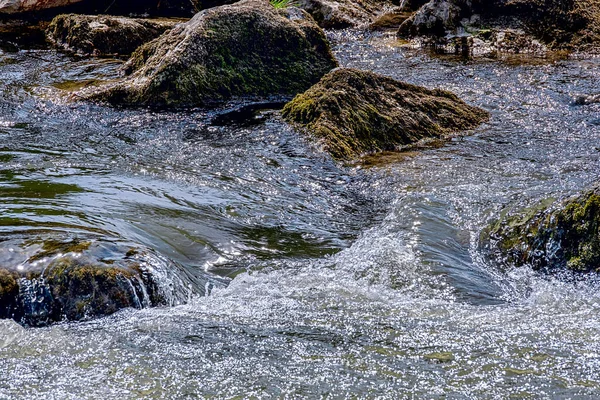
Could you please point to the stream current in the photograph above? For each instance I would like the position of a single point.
(341, 281)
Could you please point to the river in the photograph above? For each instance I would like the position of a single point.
(332, 281)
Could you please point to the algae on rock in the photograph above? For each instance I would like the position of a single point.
(572, 25)
(564, 236)
(248, 49)
(52, 280)
(352, 112)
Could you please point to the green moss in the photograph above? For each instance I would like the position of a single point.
(83, 290)
(9, 292)
(566, 236)
(354, 112)
(8, 284)
(249, 49)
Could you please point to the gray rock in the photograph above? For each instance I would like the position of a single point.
(343, 13)
(434, 18)
(104, 35)
(587, 99)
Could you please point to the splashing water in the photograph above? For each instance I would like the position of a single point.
(344, 281)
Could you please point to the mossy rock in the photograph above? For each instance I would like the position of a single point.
(248, 49)
(560, 23)
(9, 292)
(55, 280)
(564, 236)
(87, 290)
(339, 14)
(104, 35)
(352, 112)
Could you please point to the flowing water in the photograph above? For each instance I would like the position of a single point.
(339, 281)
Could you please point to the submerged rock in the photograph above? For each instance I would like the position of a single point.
(552, 237)
(246, 49)
(72, 280)
(354, 112)
(103, 35)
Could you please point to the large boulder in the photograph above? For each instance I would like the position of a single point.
(434, 18)
(52, 280)
(240, 50)
(551, 237)
(352, 112)
(104, 35)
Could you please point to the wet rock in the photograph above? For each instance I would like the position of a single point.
(352, 112)
(550, 237)
(343, 13)
(74, 280)
(390, 20)
(104, 35)
(561, 24)
(21, 6)
(491, 43)
(46, 9)
(587, 100)
(249, 49)
(434, 18)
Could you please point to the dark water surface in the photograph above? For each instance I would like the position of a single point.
(346, 281)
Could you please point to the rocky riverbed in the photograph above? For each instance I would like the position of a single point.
(252, 206)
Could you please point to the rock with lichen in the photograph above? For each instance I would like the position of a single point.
(104, 35)
(560, 236)
(54, 280)
(352, 112)
(248, 49)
